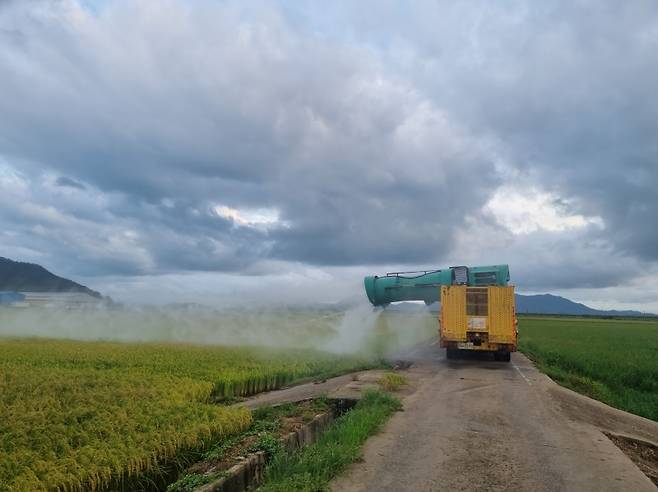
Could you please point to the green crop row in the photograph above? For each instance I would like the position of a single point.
(612, 360)
(92, 415)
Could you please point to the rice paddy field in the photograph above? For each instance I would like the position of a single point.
(612, 360)
(120, 415)
(85, 415)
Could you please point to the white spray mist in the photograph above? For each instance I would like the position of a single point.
(359, 329)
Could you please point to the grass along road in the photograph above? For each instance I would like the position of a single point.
(311, 468)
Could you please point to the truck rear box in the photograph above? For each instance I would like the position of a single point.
(478, 319)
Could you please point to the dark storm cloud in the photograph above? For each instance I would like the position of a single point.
(247, 114)
(374, 133)
(588, 264)
(567, 87)
(64, 181)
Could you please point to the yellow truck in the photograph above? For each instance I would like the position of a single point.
(478, 319)
(477, 305)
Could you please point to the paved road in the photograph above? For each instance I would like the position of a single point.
(482, 425)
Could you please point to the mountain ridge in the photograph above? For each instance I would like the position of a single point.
(540, 304)
(552, 304)
(29, 277)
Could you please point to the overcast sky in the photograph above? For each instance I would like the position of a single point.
(200, 150)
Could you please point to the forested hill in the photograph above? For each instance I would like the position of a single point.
(536, 304)
(550, 304)
(28, 277)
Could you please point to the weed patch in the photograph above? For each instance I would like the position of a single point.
(269, 425)
(392, 381)
(311, 468)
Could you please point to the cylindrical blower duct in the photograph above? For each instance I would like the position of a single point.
(425, 285)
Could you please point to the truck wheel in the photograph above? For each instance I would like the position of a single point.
(451, 353)
(502, 356)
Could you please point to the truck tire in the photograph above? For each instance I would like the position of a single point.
(502, 356)
(451, 353)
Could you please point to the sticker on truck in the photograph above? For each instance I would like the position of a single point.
(477, 323)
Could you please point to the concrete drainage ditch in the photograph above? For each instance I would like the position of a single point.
(249, 472)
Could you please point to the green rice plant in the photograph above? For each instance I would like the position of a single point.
(612, 360)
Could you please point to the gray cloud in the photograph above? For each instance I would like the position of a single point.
(64, 181)
(568, 88)
(374, 134)
(255, 116)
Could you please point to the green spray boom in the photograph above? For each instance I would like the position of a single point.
(425, 285)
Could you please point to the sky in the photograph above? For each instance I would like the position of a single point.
(220, 151)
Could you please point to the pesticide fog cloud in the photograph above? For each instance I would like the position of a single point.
(221, 151)
(357, 330)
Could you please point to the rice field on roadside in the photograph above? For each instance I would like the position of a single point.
(90, 415)
(612, 360)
